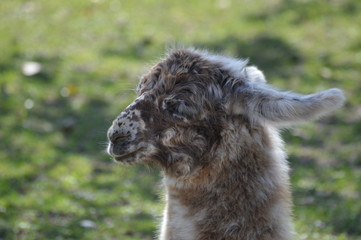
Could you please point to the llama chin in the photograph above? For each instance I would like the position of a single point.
(211, 123)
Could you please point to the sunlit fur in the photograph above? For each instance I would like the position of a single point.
(211, 123)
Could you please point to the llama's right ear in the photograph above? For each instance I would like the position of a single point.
(263, 103)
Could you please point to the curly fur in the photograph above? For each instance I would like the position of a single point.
(211, 123)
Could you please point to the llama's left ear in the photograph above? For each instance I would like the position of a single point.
(253, 74)
(261, 102)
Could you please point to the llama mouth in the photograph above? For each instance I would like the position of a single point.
(123, 157)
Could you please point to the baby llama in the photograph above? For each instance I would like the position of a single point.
(212, 124)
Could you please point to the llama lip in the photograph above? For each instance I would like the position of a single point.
(121, 158)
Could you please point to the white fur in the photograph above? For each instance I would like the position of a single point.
(177, 218)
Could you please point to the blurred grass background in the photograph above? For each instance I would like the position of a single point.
(67, 68)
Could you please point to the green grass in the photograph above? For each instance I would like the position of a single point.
(56, 182)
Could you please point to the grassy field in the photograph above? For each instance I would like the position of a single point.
(67, 68)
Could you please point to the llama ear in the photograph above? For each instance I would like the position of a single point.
(261, 102)
(253, 74)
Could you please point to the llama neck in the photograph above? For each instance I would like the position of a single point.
(179, 221)
(247, 199)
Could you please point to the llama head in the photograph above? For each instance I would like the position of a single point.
(185, 100)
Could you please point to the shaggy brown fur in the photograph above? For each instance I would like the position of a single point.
(211, 123)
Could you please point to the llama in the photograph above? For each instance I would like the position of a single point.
(211, 123)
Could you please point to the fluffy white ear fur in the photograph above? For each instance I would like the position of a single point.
(262, 102)
(253, 74)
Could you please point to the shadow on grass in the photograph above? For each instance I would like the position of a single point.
(304, 11)
(271, 54)
(135, 50)
(338, 212)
